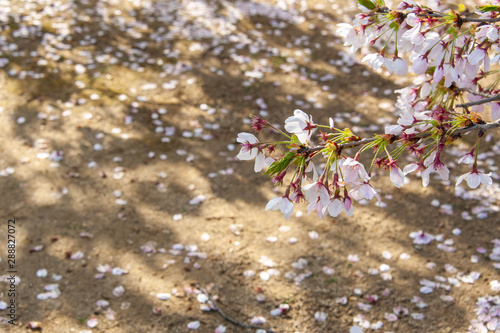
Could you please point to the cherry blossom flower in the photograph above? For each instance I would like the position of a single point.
(420, 65)
(394, 129)
(467, 158)
(347, 32)
(316, 191)
(364, 190)
(300, 124)
(334, 207)
(396, 174)
(375, 60)
(282, 203)
(438, 74)
(475, 178)
(352, 170)
(250, 150)
(476, 56)
(421, 238)
(438, 167)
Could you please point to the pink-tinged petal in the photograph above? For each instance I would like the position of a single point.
(286, 207)
(92, 322)
(430, 160)
(246, 154)
(450, 76)
(486, 178)
(304, 137)
(260, 162)
(461, 178)
(350, 211)
(332, 123)
(273, 204)
(409, 33)
(438, 74)
(466, 159)
(495, 111)
(492, 33)
(410, 168)
(312, 168)
(320, 316)
(443, 172)
(473, 180)
(297, 123)
(400, 66)
(375, 60)
(301, 114)
(346, 31)
(425, 180)
(294, 125)
(367, 191)
(425, 90)
(420, 65)
(246, 137)
(476, 56)
(347, 204)
(394, 129)
(335, 208)
(220, 329)
(397, 177)
(313, 206)
(194, 325)
(258, 320)
(355, 329)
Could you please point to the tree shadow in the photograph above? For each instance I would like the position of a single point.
(50, 218)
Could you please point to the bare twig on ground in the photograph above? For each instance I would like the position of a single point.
(231, 320)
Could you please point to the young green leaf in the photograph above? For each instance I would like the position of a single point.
(278, 166)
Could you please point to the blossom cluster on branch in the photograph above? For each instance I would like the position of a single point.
(452, 54)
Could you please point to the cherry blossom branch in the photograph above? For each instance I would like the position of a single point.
(482, 101)
(463, 19)
(462, 130)
(478, 127)
(477, 93)
(446, 60)
(231, 320)
(480, 20)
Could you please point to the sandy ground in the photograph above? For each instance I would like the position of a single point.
(101, 158)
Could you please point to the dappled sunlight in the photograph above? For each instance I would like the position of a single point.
(118, 161)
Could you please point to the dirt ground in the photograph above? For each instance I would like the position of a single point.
(117, 161)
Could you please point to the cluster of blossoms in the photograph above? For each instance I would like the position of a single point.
(328, 191)
(451, 56)
(331, 187)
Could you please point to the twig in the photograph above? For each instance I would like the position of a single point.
(229, 319)
(480, 20)
(464, 19)
(477, 93)
(482, 101)
(475, 127)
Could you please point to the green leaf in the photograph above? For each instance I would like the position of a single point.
(296, 140)
(451, 31)
(488, 8)
(394, 25)
(367, 4)
(278, 166)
